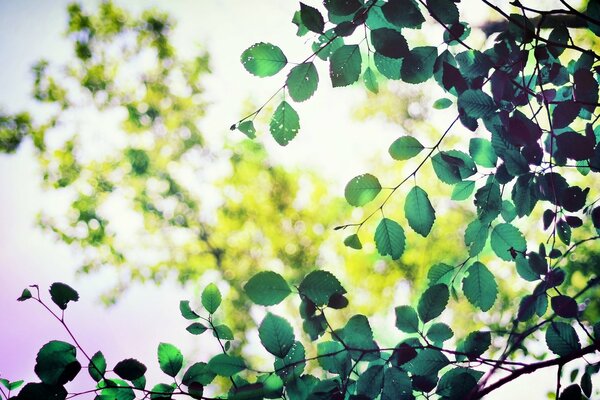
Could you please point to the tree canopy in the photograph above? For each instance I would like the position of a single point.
(519, 155)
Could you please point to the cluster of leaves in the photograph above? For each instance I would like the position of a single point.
(349, 363)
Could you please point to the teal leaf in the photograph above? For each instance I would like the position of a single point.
(370, 382)
(162, 391)
(507, 241)
(267, 288)
(417, 66)
(433, 301)
(390, 239)
(488, 201)
(476, 236)
(396, 385)
(211, 298)
(440, 273)
(370, 80)
(56, 363)
(276, 335)
(61, 294)
(198, 373)
(476, 344)
(439, 333)
(333, 357)
(302, 81)
(196, 328)
(509, 211)
(405, 147)
(562, 339)
(285, 123)
(353, 241)
(452, 166)
(311, 18)
(419, 212)
(226, 365)
(479, 286)
(403, 14)
(222, 332)
(476, 103)
(441, 104)
(463, 190)
(319, 286)
(247, 128)
(130, 369)
(389, 43)
(482, 152)
(362, 189)
(345, 65)
(263, 59)
(186, 310)
(427, 362)
(444, 11)
(97, 366)
(407, 319)
(170, 359)
(357, 334)
(292, 365)
(388, 67)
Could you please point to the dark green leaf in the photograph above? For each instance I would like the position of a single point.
(480, 287)
(417, 66)
(196, 328)
(263, 59)
(162, 391)
(302, 81)
(432, 302)
(345, 65)
(97, 366)
(319, 286)
(198, 373)
(130, 369)
(311, 18)
(476, 344)
(507, 241)
(226, 365)
(389, 238)
(389, 43)
(211, 298)
(444, 11)
(186, 310)
(353, 241)
(427, 362)
(439, 333)
(267, 288)
(56, 363)
(370, 382)
(405, 147)
(285, 123)
(170, 359)
(403, 14)
(276, 335)
(562, 339)
(476, 104)
(222, 332)
(362, 189)
(62, 294)
(564, 306)
(41, 391)
(407, 319)
(419, 212)
(452, 166)
(292, 365)
(396, 385)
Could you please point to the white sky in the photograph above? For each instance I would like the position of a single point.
(329, 141)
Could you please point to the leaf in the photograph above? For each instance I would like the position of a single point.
(417, 66)
(362, 189)
(443, 10)
(476, 236)
(370, 80)
(389, 43)
(439, 333)
(480, 286)
(302, 81)
(419, 212)
(196, 328)
(345, 65)
(396, 385)
(370, 382)
(462, 190)
(389, 238)
(405, 147)
(198, 373)
(476, 104)
(338, 362)
(39, 391)
(170, 359)
(25, 295)
(433, 301)
(62, 294)
(211, 298)
(247, 128)
(506, 237)
(276, 335)
(162, 391)
(267, 288)
(56, 363)
(311, 18)
(263, 59)
(130, 369)
(452, 166)
(186, 310)
(319, 286)
(482, 152)
(407, 319)
(564, 306)
(222, 332)
(427, 362)
(564, 113)
(562, 339)
(226, 365)
(441, 104)
(285, 123)
(292, 365)
(353, 241)
(440, 273)
(97, 366)
(476, 344)
(342, 7)
(403, 14)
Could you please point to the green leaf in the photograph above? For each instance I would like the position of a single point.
(362, 189)
(162, 391)
(319, 286)
(97, 366)
(389, 238)
(222, 332)
(311, 18)
(62, 294)
(506, 237)
(130, 369)
(444, 10)
(292, 365)
(353, 241)
(39, 391)
(457, 383)
(388, 67)
(476, 104)
(345, 65)
(405, 147)
(433, 301)
(358, 334)
(56, 363)
(11, 385)
(509, 212)
(441, 104)
(263, 59)
(247, 128)
(417, 66)
(396, 385)
(302, 81)
(370, 80)
(403, 13)
(186, 310)
(562, 339)
(439, 333)
(488, 200)
(121, 391)
(419, 212)
(476, 344)
(407, 319)
(476, 236)
(170, 359)
(452, 166)
(482, 152)
(463, 190)
(198, 373)
(339, 360)
(440, 273)
(427, 362)
(267, 288)
(211, 298)
(196, 328)
(370, 382)
(226, 365)
(389, 43)
(285, 123)
(480, 286)
(276, 335)
(25, 295)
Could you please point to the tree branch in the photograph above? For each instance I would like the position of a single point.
(547, 22)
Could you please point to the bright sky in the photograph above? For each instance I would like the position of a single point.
(329, 141)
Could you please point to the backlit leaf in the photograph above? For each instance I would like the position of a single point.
(389, 238)
(345, 65)
(480, 286)
(562, 339)
(302, 81)
(362, 189)
(267, 288)
(419, 212)
(507, 241)
(285, 123)
(405, 147)
(170, 359)
(211, 298)
(276, 335)
(433, 301)
(263, 59)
